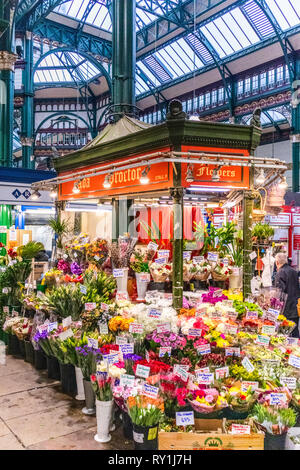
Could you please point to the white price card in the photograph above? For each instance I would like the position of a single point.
(92, 343)
(104, 307)
(165, 350)
(268, 330)
(163, 328)
(204, 349)
(182, 373)
(66, 334)
(111, 358)
(187, 255)
(163, 254)
(294, 361)
(52, 326)
(127, 380)
(247, 364)
(120, 296)
(136, 328)
(154, 313)
(240, 429)
(222, 372)
(251, 315)
(289, 382)
(83, 289)
(185, 418)
(149, 391)
(142, 371)
(277, 398)
(198, 259)
(246, 384)
(194, 332)
(273, 313)
(232, 352)
(103, 328)
(263, 340)
(152, 246)
(144, 277)
(212, 257)
(121, 340)
(118, 273)
(67, 321)
(205, 379)
(161, 260)
(253, 255)
(127, 348)
(90, 306)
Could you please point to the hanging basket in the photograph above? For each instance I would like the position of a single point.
(259, 214)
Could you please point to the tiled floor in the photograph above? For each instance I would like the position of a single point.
(34, 414)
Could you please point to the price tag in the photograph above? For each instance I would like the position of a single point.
(232, 315)
(104, 307)
(136, 328)
(67, 321)
(121, 340)
(147, 356)
(251, 315)
(233, 352)
(127, 380)
(212, 257)
(205, 370)
(152, 246)
(118, 273)
(273, 313)
(215, 315)
(268, 330)
(294, 361)
(13, 235)
(14, 313)
(103, 328)
(271, 362)
(201, 309)
(111, 358)
(83, 289)
(127, 348)
(92, 343)
(163, 254)
(253, 255)
(120, 296)
(194, 332)
(66, 334)
(6, 309)
(277, 398)
(185, 418)
(226, 262)
(247, 384)
(263, 340)
(198, 259)
(42, 328)
(205, 379)
(154, 313)
(5, 290)
(182, 373)
(222, 372)
(289, 382)
(182, 366)
(204, 349)
(165, 350)
(52, 326)
(149, 391)
(161, 261)
(142, 371)
(90, 306)
(187, 255)
(163, 328)
(240, 429)
(290, 341)
(231, 329)
(247, 364)
(144, 277)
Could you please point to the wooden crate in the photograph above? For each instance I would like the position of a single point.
(209, 436)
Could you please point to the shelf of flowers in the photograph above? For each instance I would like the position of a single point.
(223, 373)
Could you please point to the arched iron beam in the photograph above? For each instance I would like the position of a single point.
(61, 113)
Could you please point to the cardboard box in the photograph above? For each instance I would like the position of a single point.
(209, 435)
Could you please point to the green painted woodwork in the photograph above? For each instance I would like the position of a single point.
(28, 109)
(296, 132)
(247, 235)
(5, 220)
(177, 272)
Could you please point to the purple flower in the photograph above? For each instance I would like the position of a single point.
(76, 269)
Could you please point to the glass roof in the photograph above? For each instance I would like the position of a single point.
(65, 67)
(286, 12)
(268, 118)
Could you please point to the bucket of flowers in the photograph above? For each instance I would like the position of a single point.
(240, 401)
(208, 403)
(97, 252)
(160, 272)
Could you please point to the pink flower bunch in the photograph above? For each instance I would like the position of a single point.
(211, 297)
(167, 339)
(64, 266)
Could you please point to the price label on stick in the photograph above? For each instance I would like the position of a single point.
(103, 328)
(185, 418)
(163, 254)
(152, 246)
(118, 273)
(90, 306)
(294, 361)
(289, 382)
(222, 372)
(163, 328)
(136, 328)
(67, 321)
(92, 343)
(204, 349)
(240, 429)
(142, 371)
(247, 384)
(127, 348)
(268, 330)
(165, 350)
(66, 334)
(154, 313)
(194, 332)
(83, 289)
(182, 373)
(52, 326)
(127, 380)
(149, 391)
(247, 364)
(205, 379)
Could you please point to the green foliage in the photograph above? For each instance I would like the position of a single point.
(262, 231)
(216, 238)
(30, 250)
(100, 286)
(66, 300)
(61, 228)
(139, 265)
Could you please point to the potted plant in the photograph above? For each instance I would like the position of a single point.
(87, 361)
(102, 385)
(140, 265)
(262, 233)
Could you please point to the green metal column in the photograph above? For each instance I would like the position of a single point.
(115, 220)
(247, 236)
(5, 220)
(124, 57)
(296, 132)
(7, 61)
(28, 108)
(177, 195)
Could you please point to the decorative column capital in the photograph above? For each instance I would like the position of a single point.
(26, 141)
(7, 60)
(28, 35)
(295, 138)
(177, 193)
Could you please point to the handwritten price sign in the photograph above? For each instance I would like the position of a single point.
(185, 418)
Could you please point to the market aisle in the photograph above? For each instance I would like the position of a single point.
(34, 414)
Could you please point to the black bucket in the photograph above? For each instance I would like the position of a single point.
(145, 438)
(127, 426)
(275, 441)
(29, 352)
(13, 345)
(53, 368)
(40, 362)
(68, 379)
(22, 347)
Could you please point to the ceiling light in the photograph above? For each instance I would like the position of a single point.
(261, 178)
(53, 192)
(35, 195)
(283, 183)
(144, 179)
(190, 174)
(76, 189)
(107, 181)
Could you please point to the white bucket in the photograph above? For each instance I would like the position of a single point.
(141, 285)
(104, 411)
(79, 380)
(122, 281)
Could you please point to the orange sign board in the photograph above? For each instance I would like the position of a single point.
(123, 182)
(230, 176)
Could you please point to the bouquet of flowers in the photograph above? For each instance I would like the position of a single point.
(23, 328)
(121, 251)
(207, 401)
(52, 278)
(139, 262)
(166, 339)
(240, 401)
(274, 420)
(119, 323)
(201, 271)
(102, 385)
(87, 360)
(188, 272)
(76, 248)
(213, 295)
(64, 266)
(160, 272)
(121, 393)
(145, 411)
(221, 271)
(97, 252)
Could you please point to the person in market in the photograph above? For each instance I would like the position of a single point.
(287, 280)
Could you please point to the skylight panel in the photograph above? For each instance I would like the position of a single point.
(93, 13)
(285, 12)
(74, 9)
(189, 56)
(243, 26)
(258, 18)
(141, 85)
(148, 73)
(230, 32)
(191, 39)
(175, 60)
(156, 67)
(217, 40)
(265, 120)
(276, 116)
(82, 9)
(168, 62)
